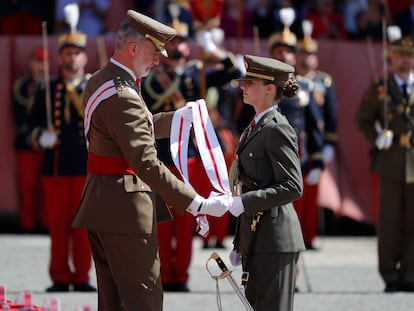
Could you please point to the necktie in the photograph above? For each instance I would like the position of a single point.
(404, 92)
(252, 124)
(137, 81)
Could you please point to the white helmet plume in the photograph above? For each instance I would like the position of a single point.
(287, 16)
(307, 27)
(71, 11)
(174, 10)
(393, 33)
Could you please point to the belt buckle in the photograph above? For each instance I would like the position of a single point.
(405, 140)
(245, 278)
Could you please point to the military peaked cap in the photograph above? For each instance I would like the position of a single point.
(151, 29)
(269, 69)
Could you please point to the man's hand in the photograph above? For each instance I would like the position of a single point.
(215, 206)
(48, 139)
(384, 139)
(328, 153)
(313, 176)
(204, 39)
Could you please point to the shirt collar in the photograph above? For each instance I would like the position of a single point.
(115, 62)
(260, 115)
(409, 82)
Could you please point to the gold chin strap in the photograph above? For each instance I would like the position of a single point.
(155, 40)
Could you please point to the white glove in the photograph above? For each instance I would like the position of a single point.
(236, 208)
(384, 140)
(47, 139)
(205, 40)
(313, 176)
(328, 153)
(214, 206)
(235, 258)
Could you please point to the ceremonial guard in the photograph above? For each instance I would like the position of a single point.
(324, 110)
(168, 87)
(386, 120)
(302, 113)
(57, 128)
(32, 216)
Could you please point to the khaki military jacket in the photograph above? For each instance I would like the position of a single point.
(121, 126)
(396, 163)
(269, 158)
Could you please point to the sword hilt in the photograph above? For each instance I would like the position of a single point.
(219, 261)
(225, 272)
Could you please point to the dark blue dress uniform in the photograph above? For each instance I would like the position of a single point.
(303, 116)
(324, 98)
(64, 166)
(167, 89)
(69, 157)
(323, 113)
(63, 177)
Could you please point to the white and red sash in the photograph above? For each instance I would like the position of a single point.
(209, 150)
(105, 91)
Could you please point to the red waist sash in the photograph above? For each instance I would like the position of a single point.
(108, 165)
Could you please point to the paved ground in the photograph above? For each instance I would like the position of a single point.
(341, 275)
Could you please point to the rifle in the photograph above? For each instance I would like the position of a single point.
(46, 76)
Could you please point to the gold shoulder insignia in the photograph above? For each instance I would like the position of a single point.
(326, 78)
(119, 84)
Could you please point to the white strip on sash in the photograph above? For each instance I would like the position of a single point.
(207, 143)
(179, 138)
(105, 91)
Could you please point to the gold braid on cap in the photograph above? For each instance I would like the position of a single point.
(260, 76)
(155, 40)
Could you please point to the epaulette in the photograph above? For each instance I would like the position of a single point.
(305, 83)
(120, 84)
(325, 77)
(191, 63)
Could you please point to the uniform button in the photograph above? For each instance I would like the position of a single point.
(251, 154)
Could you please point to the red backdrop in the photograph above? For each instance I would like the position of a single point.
(346, 185)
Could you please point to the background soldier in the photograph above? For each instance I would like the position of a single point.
(167, 88)
(302, 114)
(64, 165)
(386, 119)
(31, 214)
(325, 110)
